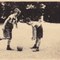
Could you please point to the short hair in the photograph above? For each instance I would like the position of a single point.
(17, 10)
(28, 19)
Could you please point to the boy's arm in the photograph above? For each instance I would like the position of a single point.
(6, 22)
(16, 22)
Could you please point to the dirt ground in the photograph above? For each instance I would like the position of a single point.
(49, 48)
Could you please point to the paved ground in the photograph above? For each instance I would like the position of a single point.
(49, 48)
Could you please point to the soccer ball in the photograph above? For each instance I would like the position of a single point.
(19, 48)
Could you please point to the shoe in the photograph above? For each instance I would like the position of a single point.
(8, 48)
(0, 38)
(37, 49)
(34, 47)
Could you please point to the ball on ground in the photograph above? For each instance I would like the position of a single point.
(19, 48)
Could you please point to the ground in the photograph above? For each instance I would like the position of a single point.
(49, 48)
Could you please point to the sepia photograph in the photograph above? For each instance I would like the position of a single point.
(29, 30)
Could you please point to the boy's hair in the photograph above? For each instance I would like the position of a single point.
(17, 10)
(28, 19)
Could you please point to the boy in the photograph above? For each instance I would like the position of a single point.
(37, 31)
(8, 26)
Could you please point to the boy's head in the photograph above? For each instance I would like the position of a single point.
(17, 10)
(28, 21)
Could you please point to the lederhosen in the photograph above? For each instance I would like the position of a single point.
(8, 30)
(39, 31)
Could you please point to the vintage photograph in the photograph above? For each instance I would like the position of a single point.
(30, 30)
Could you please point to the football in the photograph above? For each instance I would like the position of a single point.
(19, 48)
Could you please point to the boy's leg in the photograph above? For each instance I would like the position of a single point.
(38, 44)
(35, 45)
(8, 45)
(35, 36)
(34, 33)
(9, 40)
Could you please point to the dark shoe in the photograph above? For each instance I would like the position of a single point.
(0, 38)
(37, 49)
(8, 48)
(34, 47)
